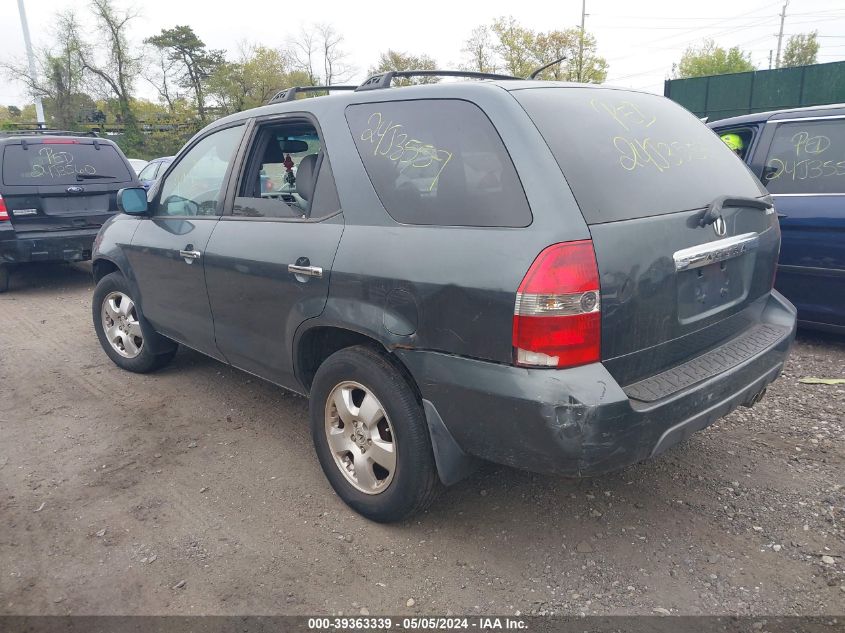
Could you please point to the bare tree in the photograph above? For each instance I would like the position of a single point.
(59, 72)
(115, 66)
(304, 53)
(480, 50)
(160, 73)
(320, 47)
(336, 69)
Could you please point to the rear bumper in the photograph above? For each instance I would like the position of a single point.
(69, 246)
(580, 421)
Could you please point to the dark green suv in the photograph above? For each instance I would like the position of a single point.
(557, 277)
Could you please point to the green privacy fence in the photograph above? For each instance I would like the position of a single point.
(722, 96)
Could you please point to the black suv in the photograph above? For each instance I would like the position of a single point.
(557, 277)
(56, 191)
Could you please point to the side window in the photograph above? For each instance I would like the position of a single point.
(438, 162)
(738, 139)
(287, 174)
(807, 157)
(195, 185)
(149, 172)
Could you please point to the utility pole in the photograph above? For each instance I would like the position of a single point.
(770, 59)
(39, 109)
(581, 41)
(780, 33)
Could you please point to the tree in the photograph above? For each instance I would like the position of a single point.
(509, 46)
(59, 74)
(801, 50)
(514, 46)
(161, 73)
(396, 60)
(709, 59)
(583, 67)
(249, 82)
(304, 54)
(480, 51)
(319, 48)
(112, 63)
(335, 67)
(195, 62)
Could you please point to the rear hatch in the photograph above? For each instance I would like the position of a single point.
(645, 171)
(53, 184)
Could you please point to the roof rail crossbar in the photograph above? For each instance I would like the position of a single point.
(289, 94)
(383, 80)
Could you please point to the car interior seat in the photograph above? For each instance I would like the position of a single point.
(306, 180)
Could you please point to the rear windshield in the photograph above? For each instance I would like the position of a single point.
(632, 155)
(63, 164)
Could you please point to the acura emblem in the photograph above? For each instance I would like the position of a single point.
(75, 189)
(719, 226)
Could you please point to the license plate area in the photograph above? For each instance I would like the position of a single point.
(706, 290)
(714, 276)
(76, 205)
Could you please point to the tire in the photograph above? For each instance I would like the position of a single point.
(132, 332)
(353, 375)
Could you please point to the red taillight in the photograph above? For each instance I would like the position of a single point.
(557, 318)
(4, 212)
(60, 141)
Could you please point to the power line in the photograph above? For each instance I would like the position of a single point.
(717, 34)
(673, 28)
(716, 28)
(710, 26)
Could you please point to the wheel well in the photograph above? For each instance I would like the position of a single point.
(317, 344)
(103, 267)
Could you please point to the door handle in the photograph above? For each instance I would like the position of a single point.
(305, 271)
(190, 255)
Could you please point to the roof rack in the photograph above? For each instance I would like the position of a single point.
(383, 80)
(45, 132)
(289, 94)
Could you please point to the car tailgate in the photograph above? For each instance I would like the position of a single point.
(686, 240)
(671, 289)
(62, 184)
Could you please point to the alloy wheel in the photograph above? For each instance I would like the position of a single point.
(120, 324)
(360, 437)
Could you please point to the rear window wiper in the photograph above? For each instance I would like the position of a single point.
(90, 176)
(714, 209)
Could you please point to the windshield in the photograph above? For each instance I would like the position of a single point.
(63, 164)
(632, 155)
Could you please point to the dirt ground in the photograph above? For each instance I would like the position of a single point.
(196, 491)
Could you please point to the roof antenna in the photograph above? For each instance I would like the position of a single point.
(537, 71)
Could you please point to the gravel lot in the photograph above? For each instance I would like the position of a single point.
(196, 491)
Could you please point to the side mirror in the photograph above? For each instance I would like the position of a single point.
(132, 201)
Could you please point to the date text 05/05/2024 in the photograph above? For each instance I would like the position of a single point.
(375, 623)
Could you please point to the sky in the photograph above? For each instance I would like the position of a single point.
(640, 40)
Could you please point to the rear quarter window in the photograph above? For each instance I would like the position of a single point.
(44, 164)
(632, 155)
(438, 162)
(807, 157)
